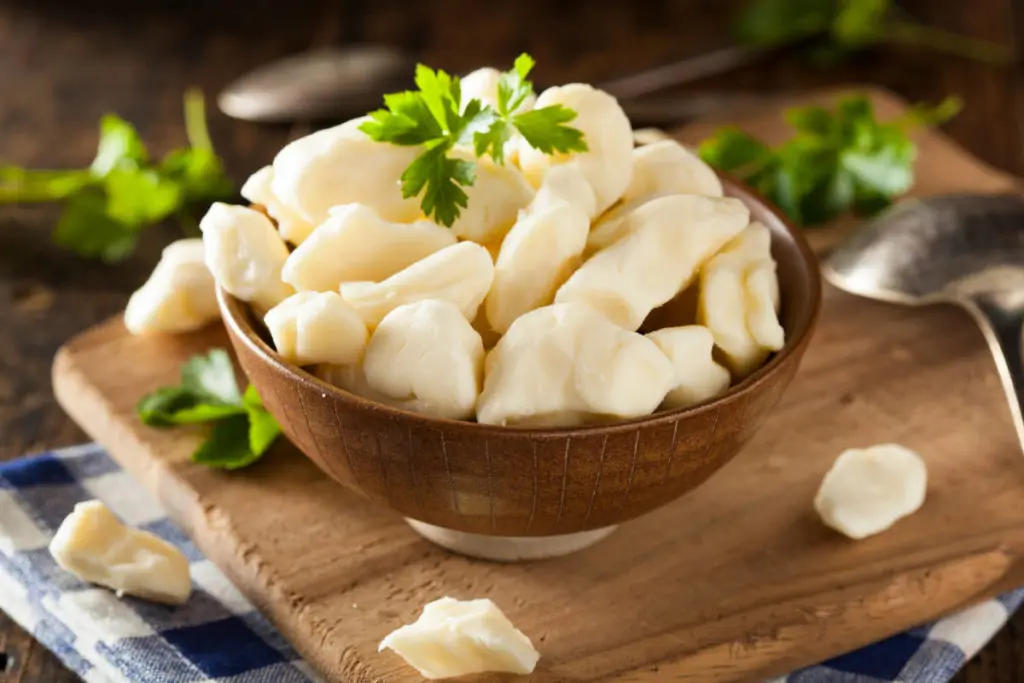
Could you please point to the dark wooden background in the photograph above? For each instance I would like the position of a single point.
(63, 63)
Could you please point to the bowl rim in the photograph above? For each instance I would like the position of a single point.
(234, 317)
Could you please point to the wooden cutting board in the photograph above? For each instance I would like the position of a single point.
(736, 581)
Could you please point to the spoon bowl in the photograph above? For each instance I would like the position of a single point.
(318, 84)
(967, 250)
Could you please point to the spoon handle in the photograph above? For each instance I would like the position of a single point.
(1001, 317)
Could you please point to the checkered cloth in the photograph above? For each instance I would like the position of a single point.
(218, 636)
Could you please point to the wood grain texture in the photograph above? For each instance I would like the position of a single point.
(737, 580)
(65, 62)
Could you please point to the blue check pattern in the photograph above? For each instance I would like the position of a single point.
(217, 636)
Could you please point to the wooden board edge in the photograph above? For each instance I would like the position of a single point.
(779, 650)
(207, 525)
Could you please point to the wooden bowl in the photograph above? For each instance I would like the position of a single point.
(506, 481)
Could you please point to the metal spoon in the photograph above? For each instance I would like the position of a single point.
(961, 249)
(334, 82)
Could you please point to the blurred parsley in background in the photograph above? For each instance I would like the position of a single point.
(837, 161)
(123, 191)
(843, 26)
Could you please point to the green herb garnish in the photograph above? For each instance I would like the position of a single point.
(848, 25)
(123, 191)
(837, 161)
(434, 118)
(242, 429)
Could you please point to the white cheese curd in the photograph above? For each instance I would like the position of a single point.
(94, 545)
(738, 296)
(257, 189)
(659, 169)
(245, 254)
(495, 199)
(341, 165)
(567, 183)
(539, 253)
(461, 274)
(355, 243)
(565, 365)
(427, 358)
(180, 295)
(697, 376)
(607, 163)
(868, 490)
(666, 242)
(461, 637)
(667, 167)
(761, 289)
(309, 328)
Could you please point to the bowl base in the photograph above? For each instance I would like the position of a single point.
(509, 548)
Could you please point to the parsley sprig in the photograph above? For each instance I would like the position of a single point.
(837, 161)
(433, 116)
(123, 191)
(242, 429)
(849, 25)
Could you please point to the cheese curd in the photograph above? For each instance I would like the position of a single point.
(738, 300)
(666, 242)
(461, 274)
(494, 200)
(179, 296)
(97, 547)
(309, 328)
(457, 638)
(607, 163)
(697, 376)
(427, 358)
(245, 254)
(537, 255)
(341, 165)
(659, 169)
(257, 189)
(868, 490)
(565, 365)
(566, 183)
(355, 243)
(667, 167)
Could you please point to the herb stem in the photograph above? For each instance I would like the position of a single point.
(912, 33)
(195, 120)
(21, 186)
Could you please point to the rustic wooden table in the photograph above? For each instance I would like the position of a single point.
(63, 63)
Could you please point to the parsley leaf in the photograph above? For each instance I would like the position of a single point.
(848, 25)
(442, 178)
(435, 118)
(212, 376)
(228, 445)
(513, 88)
(242, 429)
(837, 161)
(545, 129)
(123, 191)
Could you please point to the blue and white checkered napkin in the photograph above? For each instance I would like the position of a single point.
(218, 636)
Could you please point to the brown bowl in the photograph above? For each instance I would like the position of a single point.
(531, 482)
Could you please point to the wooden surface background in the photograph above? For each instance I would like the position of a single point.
(65, 62)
